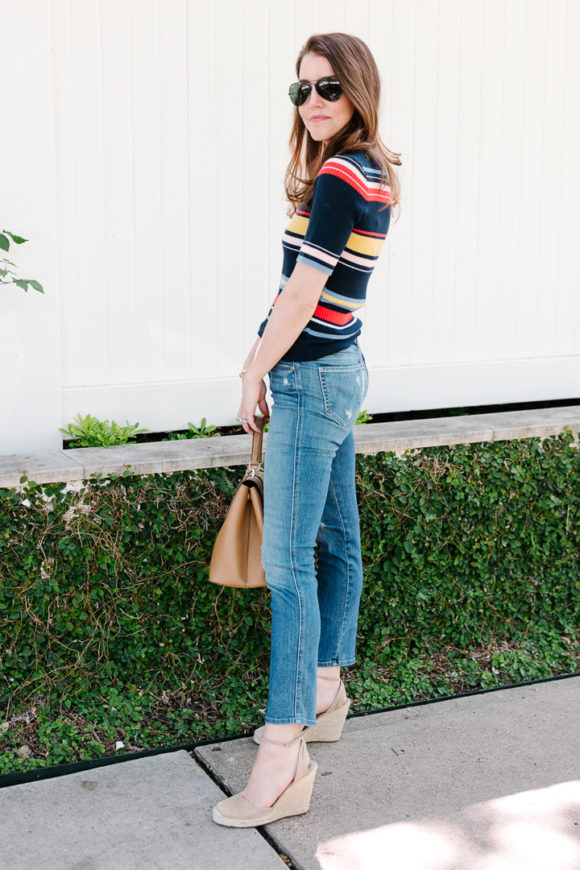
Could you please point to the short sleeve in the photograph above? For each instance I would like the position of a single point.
(336, 207)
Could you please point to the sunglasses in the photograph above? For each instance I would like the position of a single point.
(329, 88)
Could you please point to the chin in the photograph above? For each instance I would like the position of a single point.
(317, 135)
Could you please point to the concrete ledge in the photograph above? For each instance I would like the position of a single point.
(166, 456)
(499, 426)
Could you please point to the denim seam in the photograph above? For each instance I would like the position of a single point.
(327, 409)
(345, 553)
(292, 541)
(322, 370)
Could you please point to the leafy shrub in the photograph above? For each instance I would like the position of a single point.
(89, 431)
(202, 431)
(472, 576)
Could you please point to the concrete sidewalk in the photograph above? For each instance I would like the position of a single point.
(486, 782)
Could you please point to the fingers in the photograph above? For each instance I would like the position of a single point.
(263, 406)
(250, 425)
(247, 422)
(246, 425)
(253, 394)
(243, 421)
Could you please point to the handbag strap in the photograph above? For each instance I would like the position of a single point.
(257, 438)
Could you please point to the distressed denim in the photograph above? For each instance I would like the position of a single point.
(309, 502)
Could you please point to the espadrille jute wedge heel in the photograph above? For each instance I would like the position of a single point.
(238, 812)
(329, 724)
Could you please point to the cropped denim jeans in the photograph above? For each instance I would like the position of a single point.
(309, 502)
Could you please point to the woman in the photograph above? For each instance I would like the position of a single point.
(341, 185)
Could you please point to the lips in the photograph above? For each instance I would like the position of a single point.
(319, 118)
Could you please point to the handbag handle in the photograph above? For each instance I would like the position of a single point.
(257, 438)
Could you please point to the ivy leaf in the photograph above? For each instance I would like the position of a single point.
(36, 285)
(18, 240)
(4, 242)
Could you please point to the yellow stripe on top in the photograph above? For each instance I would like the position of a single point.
(351, 305)
(298, 224)
(364, 245)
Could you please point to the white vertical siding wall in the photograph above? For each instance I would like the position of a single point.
(30, 337)
(170, 126)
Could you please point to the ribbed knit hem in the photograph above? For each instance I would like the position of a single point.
(306, 353)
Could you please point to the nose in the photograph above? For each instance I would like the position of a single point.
(315, 99)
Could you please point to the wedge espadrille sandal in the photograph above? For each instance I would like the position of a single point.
(238, 812)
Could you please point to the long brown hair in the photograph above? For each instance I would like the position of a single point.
(355, 68)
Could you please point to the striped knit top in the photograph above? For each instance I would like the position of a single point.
(341, 233)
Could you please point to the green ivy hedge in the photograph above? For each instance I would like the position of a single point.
(471, 541)
(107, 586)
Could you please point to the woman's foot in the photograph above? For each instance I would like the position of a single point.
(275, 765)
(238, 811)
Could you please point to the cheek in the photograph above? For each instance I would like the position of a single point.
(347, 111)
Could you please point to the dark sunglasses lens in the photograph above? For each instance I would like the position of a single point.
(298, 93)
(329, 89)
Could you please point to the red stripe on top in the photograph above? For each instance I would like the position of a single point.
(368, 233)
(341, 171)
(331, 316)
(324, 313)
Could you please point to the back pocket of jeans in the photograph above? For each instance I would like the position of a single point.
(343, 391)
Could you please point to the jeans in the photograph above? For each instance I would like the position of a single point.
(309, 500)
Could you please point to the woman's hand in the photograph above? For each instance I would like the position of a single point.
(253, 393)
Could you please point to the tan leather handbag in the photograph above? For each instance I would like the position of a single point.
(237, 553)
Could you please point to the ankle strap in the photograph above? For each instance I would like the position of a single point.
(282, 742)
(333, 679)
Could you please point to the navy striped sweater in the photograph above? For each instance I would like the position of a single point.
(341, 234)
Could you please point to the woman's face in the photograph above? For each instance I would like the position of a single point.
(321, 118)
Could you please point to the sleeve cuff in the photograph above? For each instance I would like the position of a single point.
(316, 264)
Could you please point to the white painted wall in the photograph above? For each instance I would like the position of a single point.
(30, 328)
(147, 173)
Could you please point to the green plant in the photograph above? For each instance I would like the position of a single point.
(110, 630)
(201, 431)
(7, 267)
(364, 417)
(88, 431)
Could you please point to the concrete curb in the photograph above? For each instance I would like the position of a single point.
(167, 456)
